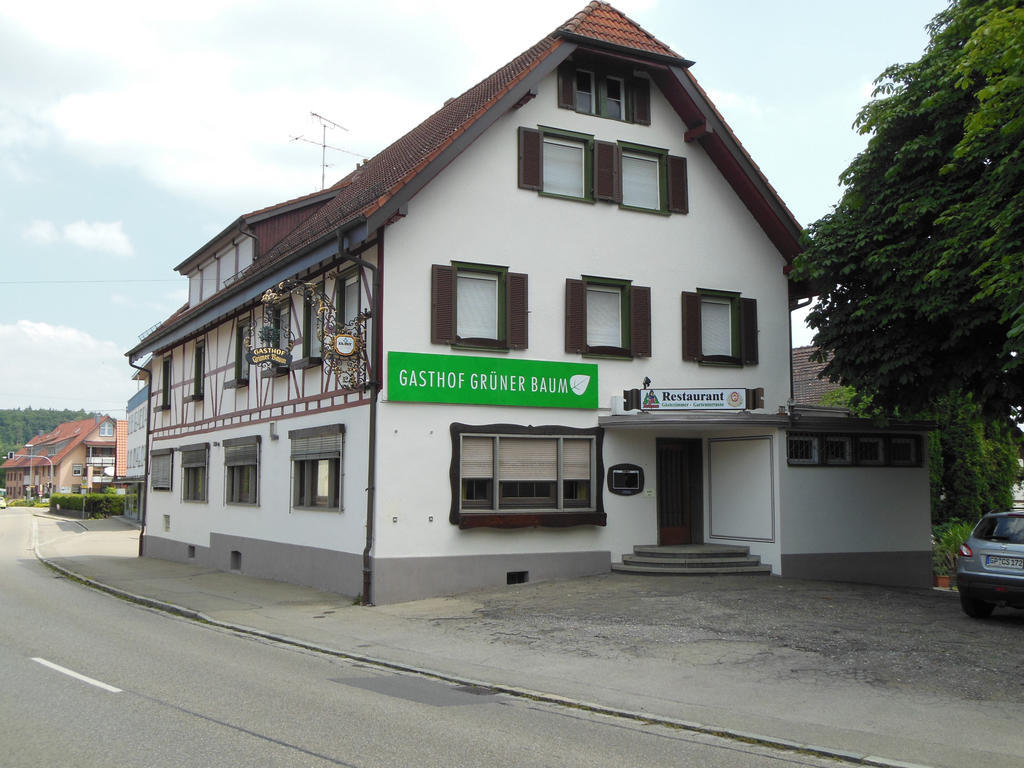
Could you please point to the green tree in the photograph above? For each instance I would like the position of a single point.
(918, 267)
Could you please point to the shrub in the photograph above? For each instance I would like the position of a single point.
(95, 504)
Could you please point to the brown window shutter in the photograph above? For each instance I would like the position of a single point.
(608, 176)
(640, 321)
(567, 86)
(691, 326)
(442, 304)
(531, 173)
(678, 196)
(748, 331)
(517, 310)
(641, 92)
(575, 316)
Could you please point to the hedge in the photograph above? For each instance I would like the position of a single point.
(96, 504)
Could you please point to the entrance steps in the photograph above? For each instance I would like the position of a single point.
(690, 560)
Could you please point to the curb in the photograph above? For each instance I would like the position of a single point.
(855, 758)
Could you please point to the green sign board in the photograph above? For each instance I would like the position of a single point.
(419, 378)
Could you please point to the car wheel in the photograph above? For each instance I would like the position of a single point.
(976, 609)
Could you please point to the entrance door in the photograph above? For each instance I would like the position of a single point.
(680, 499)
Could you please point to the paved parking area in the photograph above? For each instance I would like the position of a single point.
(888, 638)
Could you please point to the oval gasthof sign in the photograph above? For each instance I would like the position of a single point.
(345, 344)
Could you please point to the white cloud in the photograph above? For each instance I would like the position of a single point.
(87, 372)
(41, 232)
(104, 236)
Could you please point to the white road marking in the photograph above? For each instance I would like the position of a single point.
(71, 673)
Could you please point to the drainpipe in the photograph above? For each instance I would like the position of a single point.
(373, 385)
(143, 494)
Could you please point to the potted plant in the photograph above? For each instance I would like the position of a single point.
(946, 541)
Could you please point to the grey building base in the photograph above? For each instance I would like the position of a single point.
(324, 569)
(394, 579)
(414, 578)
(892, 569)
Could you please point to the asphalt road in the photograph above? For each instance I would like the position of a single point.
(90, 680)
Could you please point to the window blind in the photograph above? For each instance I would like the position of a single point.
(575, 459)
(477, 302)
(318, 446)
(641, 183)
(194, 456)
(563, 169)
(477, 457)
(160, 470)
(604, 319)
(241, 451)
(527, 458)
(716, 327)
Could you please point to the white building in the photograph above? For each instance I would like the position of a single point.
(580, 224)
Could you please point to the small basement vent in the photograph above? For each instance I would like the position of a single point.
(517, 577)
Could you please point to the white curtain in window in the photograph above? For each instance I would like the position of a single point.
(477, 306)
(716, 327)
(563, 168)
(604, 318)
(640, 181)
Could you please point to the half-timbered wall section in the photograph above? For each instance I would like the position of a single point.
(234, 392)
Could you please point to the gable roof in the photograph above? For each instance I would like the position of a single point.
(377, 191)
(600, 23)
(75, 432)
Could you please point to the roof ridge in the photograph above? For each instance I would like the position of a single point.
(603, 23)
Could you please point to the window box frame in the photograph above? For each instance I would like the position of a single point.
(526, 517)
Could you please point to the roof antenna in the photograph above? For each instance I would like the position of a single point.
(325, 123)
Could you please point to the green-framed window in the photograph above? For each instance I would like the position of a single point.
(719, 327)
(607, 316)
(478, 305)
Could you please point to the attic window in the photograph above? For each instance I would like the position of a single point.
(613, 95)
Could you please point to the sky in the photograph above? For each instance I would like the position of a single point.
(131, 132)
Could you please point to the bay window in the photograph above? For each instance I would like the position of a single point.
(506, 476)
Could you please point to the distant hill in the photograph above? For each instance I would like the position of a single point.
(19, 425)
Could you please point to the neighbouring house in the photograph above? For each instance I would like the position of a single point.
(135, 444)
(76, 456)
(808, 385)
(546, 326)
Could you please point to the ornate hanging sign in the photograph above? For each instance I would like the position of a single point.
(342, 344)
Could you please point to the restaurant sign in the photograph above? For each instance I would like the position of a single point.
(424, 378)
(695, 399)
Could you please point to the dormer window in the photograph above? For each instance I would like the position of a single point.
(584, 91)
(614, 98)
(614, 95)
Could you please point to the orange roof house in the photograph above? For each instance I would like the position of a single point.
(72, 456)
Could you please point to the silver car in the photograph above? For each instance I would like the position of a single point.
(990, 568)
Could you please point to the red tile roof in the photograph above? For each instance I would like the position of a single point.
(73, 431)
(373, 184)
(808, 389)
(602, 23)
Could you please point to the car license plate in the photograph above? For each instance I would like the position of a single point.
(1002, 561)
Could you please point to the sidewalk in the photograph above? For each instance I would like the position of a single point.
(877, 676)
